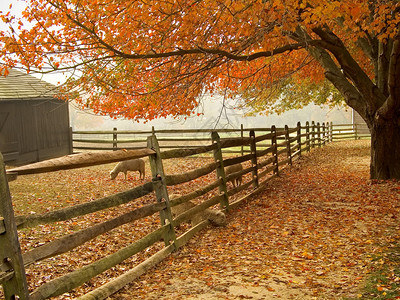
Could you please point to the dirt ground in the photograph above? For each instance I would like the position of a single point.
(312, 233)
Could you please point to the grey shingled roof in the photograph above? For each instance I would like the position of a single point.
(18, 85)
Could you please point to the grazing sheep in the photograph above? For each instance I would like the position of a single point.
(129, 165)
(237, 180)
(216, 217)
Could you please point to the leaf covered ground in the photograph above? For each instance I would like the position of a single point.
(322, 230)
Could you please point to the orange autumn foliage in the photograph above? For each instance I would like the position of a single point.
(149, 59)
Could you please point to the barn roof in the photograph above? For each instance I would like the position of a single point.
(18, 85)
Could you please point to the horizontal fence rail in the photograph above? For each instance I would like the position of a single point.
(264, 152)
(190, 138)
(350, 131)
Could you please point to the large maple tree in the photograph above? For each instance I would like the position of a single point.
(147, 59)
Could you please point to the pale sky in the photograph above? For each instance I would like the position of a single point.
(17, 7)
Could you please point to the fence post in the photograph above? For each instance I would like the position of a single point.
(220, 170)
(355, 129)
(288, 148)
(15, 285)
(241, 135)
(331, 132)
(308, 146)
(253, 149)
(115, 138)
(158, 179)
(274, 146)
(299, 136)
(71, 141)
(323, 133)
(319, 134)
(312, 134)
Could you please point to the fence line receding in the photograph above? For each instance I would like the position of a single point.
(264, 152)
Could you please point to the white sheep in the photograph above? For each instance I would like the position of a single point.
(237, 180)
(129, 165)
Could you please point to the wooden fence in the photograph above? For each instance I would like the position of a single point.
(350, 131)
(268, 154)
(189, 138)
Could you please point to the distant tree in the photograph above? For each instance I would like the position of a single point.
(147, 59)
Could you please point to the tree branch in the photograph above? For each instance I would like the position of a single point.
(181, 52)
(369, 91)
(351, 95)
(332, 71)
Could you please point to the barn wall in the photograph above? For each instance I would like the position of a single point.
(53, 129)
(357, 119)
(40, 128)
(9, 132)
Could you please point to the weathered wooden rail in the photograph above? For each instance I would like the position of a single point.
(190, 138)
(268, 154)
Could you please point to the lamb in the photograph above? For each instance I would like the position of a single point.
(129, 165)
(237, 180)
(216, 217)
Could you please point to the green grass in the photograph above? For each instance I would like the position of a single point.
(384, 281)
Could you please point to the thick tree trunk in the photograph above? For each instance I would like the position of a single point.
(385, 150)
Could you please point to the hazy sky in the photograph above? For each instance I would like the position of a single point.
(17, 6)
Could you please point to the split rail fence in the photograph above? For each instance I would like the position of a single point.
(188, 138)
(269, 153)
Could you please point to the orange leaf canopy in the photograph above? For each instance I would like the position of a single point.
(149, 59)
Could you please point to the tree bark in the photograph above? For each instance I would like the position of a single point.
(385, 150)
